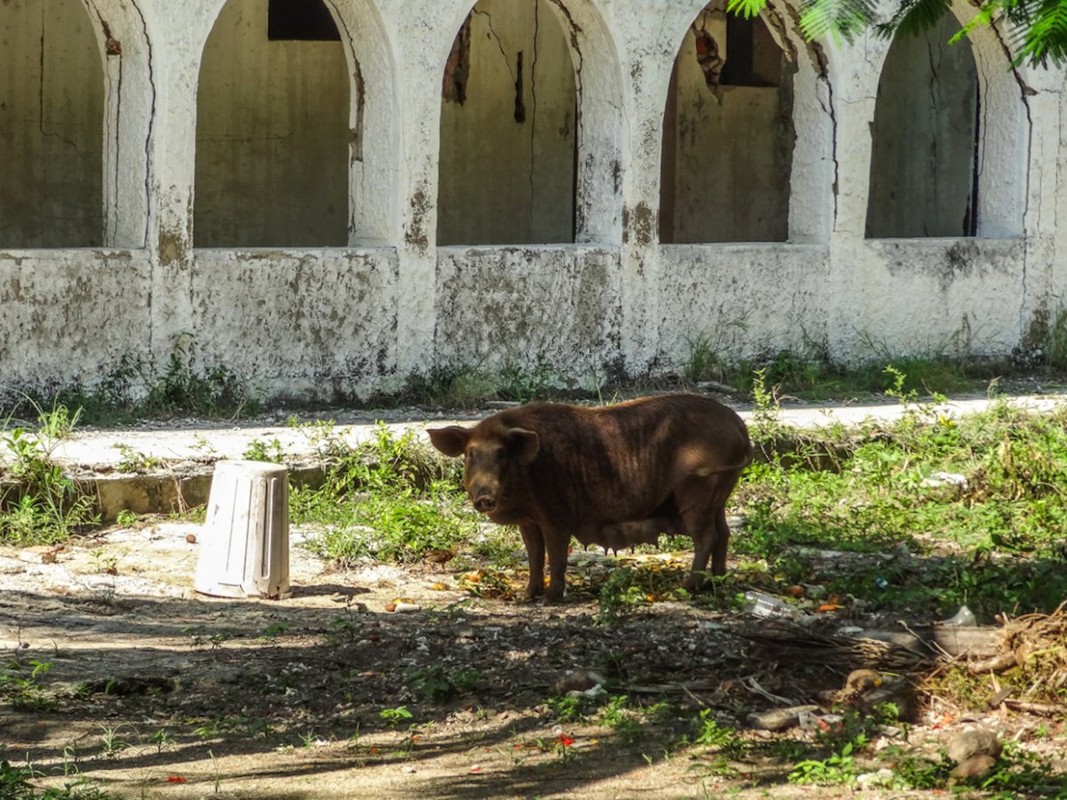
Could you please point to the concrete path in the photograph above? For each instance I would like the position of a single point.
(198, 441)
(178, 456)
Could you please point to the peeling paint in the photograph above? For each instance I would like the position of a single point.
(638, 225)
(416, 235)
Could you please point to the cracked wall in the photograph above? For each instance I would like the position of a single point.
(924, 138)
(51, 126)
(273, 134)
(727, 135)
(506, 169)
(355, 319)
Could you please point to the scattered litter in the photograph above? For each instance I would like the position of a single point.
(401, 607)
(964, 618)
(764, 605)
(936, 479)
(777, 719)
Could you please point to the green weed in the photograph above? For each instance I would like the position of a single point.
(977, 500)
(183, 387)
(1056, 340)
(21, 686)
(16, 783)
(258, 450)
(837, 769)
(620, 595)
(133, 461)
(391, 497)
(394, 716)
(42, 504)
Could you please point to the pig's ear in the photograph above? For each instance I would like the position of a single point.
(451, 441)
(523, 444)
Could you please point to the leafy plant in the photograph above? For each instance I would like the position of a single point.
(16, 784)
(837, 769)
(394, 716)
(134, 461)
(431, 683)
(183, 387)
(711, 734)
(44, 505)
(271, 451)
(25, 691)
(620, 595)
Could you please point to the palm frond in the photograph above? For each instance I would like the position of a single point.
(1036, 29)
(913, 17)
(838, 19)
(1046, 36)
(745, 8)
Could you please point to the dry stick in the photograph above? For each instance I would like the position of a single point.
(1036, 708)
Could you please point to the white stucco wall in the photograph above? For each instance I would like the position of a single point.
(358, 318)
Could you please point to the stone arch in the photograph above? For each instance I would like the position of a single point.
(996, 142)
(373, 152)
(552, 172)
(508, 132)
(51, 126)
(273, 129)
(924, 138)
(728, 132)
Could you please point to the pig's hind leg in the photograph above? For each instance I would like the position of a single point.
(702, 506)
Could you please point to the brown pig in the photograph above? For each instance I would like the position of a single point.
(615, 476)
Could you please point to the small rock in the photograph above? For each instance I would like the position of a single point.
(190, 538)
(401, 607)
(975, 751)
(581, 681)
(881, 779)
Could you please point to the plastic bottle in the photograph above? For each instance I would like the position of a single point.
(764, 605)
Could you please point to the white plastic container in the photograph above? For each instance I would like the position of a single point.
(244, 549)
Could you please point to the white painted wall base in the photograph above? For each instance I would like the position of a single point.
(354, 320)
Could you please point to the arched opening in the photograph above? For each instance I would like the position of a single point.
(272, 134)
(51, 126)
(508, 129)
(728, 134)
(924, 138)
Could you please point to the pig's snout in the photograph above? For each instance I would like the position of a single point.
(484, 503)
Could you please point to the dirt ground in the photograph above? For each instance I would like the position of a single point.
(156, 691)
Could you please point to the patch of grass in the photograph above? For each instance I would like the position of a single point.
(392, 497)
(476, 385)
(259, 450)
(183, 387)
(972, 508)
(21, 686)
(16, 783)
(39, 502)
